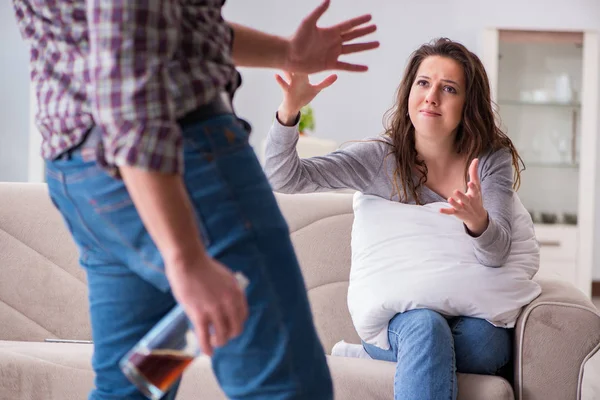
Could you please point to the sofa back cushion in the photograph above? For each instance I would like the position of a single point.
(43, 292)
(320, 227)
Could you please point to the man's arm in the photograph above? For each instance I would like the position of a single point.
(311, 49)
(131, 43)
(205, 288)
(163, 204)
(253, 48)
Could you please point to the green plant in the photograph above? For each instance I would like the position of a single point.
(307, 119)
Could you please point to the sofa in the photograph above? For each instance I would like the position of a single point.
(43, 296)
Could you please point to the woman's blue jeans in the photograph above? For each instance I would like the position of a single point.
(429, 349)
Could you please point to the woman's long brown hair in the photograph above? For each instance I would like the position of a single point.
(478, 132)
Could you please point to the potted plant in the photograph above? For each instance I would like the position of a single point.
(307, 120)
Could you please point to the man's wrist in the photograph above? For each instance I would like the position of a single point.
(280, 53)
(185, 256)
(286, 61)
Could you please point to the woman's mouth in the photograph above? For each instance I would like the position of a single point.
(429, 113)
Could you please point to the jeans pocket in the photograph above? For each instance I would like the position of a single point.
(217, 136)
(66, 212)
(107, 194)
(110, 201)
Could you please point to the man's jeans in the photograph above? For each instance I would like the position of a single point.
(278, 355)
(429, 349)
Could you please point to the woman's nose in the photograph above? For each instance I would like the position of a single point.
(432, 96)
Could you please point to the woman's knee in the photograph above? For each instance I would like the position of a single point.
(425, 324)
(422, 337)
(481, 347)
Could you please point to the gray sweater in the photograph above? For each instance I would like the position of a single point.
(363, 166)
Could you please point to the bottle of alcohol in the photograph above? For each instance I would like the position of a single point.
(158, 360)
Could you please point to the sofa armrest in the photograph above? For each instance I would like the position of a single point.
(555, 335)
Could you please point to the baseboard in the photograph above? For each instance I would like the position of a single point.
(596, 289)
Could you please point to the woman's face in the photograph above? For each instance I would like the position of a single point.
(437, 97)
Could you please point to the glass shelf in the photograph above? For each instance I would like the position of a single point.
(550, 164)
(538, 104)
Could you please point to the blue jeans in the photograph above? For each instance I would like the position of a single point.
(278, 355)
(429, 349)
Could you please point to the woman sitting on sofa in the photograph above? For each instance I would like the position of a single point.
(441, 144)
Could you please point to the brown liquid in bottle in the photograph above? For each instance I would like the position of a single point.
(161, 367)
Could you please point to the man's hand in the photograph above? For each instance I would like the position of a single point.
(314, 49)
(211, 297)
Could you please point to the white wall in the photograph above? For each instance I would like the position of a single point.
(353, 107)
(14, 98)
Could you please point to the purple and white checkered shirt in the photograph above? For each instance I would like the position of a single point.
(131, 67)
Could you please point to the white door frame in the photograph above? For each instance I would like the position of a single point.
(588, 162)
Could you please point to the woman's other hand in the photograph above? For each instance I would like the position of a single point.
(468, 207)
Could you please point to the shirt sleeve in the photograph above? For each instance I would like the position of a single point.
(131, 43)
(492, 247)
(351, 167)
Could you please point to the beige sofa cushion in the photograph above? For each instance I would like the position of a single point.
(43, 291)
(320, 227)
(63, 371)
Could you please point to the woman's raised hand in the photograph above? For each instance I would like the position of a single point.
(298, 92)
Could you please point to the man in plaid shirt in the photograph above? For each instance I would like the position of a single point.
(154, 176)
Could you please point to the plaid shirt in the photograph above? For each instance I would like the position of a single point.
(130, 67)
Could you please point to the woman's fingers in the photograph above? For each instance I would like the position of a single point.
(325, 83)
(282, 83)
(448, 211)
(462, 197)
(458, 206)
(473, 189)
(473, 171)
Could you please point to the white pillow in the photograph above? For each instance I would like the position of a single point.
(406, 257)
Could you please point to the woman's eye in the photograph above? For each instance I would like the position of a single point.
(422, 83)
(449, 89)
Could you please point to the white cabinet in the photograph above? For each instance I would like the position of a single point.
(558, 251)
(545, 85)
